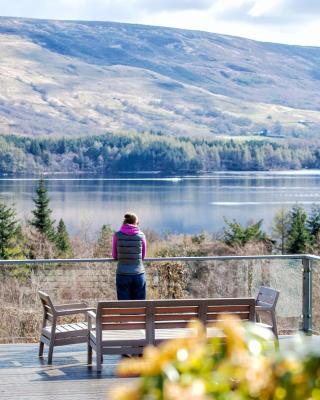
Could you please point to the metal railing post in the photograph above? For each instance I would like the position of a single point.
(307, 296)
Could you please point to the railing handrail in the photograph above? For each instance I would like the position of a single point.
(162, 259)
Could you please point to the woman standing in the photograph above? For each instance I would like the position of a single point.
(129, 248)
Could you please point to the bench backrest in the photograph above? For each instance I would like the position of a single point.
(49, 311)
(151, 315)
(267, 297)
(117, 315)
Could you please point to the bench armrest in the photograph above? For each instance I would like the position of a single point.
(91, 317)
(70, 306)
(92, 314)
(63, 312)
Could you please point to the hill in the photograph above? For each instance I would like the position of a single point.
(67, 78)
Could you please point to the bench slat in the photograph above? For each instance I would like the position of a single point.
(219, 317)
(225, 308)
(70, 328)
(123, 311)
(265, 298)
(267, 290)
(123, 336)
(71, 335)
(82, 325)
(121, 318)
(175, 310)
(169, 325)
(177, 317)
(61, 328)
(62, 332)
(123, 326)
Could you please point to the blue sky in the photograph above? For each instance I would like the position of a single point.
(284, 21)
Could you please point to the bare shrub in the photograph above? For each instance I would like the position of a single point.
(17, 324)
(37, 245)
(84, 241)
(19, 314)
(170, 279)
(152, 236)
(103, 246)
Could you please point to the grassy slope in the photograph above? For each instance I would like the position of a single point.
(82, 78)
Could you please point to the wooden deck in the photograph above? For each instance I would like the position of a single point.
(24, 376)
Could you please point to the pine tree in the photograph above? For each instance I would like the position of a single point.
(9, 229)
(42, 220)
(313, 222)
(62, 240)
(299, 238)
(237, 235)
(280, 229)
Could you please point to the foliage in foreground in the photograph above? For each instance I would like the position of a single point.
(242, 366)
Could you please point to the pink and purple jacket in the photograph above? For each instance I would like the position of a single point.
(128, 229)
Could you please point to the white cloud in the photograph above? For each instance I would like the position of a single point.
(262, 7)
(269, 11)
(165, 5)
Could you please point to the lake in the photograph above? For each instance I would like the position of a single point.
(187, 204)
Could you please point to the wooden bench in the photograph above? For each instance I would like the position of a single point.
(126, 327)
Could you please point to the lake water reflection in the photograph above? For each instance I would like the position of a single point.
(187, 204)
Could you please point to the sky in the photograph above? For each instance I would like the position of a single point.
(281, 21)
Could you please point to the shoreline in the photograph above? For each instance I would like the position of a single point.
(150, 175)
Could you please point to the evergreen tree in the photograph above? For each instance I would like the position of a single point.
(280, 229)
(299, 238)
(236, 234)
(42, 220)
(9, 229)
(313, 222)
(62, 240)
(35, 148)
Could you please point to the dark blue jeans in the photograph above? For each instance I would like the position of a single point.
(131, 287)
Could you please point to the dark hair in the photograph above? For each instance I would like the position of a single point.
(130, 218)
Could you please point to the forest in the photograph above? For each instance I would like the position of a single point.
(148, 151)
